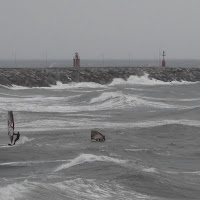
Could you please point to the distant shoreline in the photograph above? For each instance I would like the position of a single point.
(44, 77)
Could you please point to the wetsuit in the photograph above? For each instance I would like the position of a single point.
(17, 138)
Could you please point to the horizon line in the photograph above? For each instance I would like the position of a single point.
(108, 59)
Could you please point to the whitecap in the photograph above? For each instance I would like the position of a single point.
(69, 189)
(145, 80)
(85, 158)
(151, 170)
(12, 191)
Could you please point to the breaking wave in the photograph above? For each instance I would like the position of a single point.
(61, 86)
(145, 80)
(86, 158)
(118, 99)
(69, 189)
(132, 80)
(12, 191)
(106, 100)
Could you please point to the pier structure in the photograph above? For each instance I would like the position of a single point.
(76, 60)
(163, 61)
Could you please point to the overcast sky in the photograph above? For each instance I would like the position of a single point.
(116, 29)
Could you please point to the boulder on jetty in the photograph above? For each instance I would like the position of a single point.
(44, 77)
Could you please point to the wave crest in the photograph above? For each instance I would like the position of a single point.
(118, 100)
(83, 158)
(145, 80)
(69, 189)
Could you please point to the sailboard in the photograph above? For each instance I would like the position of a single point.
(11, 126)
(97, 136)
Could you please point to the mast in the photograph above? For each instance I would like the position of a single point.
(46, 58)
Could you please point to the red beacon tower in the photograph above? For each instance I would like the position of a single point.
(76, 60)
(163, 61)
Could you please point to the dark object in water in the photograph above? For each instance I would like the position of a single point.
(97, 136)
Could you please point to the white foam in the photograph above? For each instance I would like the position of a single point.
(118, 100)
(90, 189)
(5, 146)
(105, 101)
(73, 85)
(106, 96)
(30, 162)
(35, 99)
(60, 86)
(70, 189)
(24, 139)
(151, 170)
(144, 80)
(12, 191)
(177, 172)
(18, 87)
(132, 80)
(83, 158)
(171, 99)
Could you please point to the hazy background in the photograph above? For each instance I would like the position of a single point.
(117, 29)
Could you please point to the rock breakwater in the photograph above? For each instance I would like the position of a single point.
(45, 77)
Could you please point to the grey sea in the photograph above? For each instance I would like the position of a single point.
(151, 151)
(17, 63)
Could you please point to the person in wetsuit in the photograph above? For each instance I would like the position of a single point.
(17, 138)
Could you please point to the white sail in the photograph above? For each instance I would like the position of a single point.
(11, 125)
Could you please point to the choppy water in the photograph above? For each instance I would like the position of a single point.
(151, 150)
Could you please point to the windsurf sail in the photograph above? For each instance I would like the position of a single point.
(97, 136)
(11, 125)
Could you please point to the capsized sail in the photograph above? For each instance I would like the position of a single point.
(97, 136)
(11, 125)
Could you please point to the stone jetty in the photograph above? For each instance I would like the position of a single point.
(44, 77)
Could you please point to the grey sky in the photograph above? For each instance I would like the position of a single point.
(113, 28)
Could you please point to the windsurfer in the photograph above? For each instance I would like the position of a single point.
(17, 138)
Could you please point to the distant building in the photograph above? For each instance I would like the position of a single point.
(76, 60)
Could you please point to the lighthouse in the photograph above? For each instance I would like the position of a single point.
(76, 60)
(163, 61)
